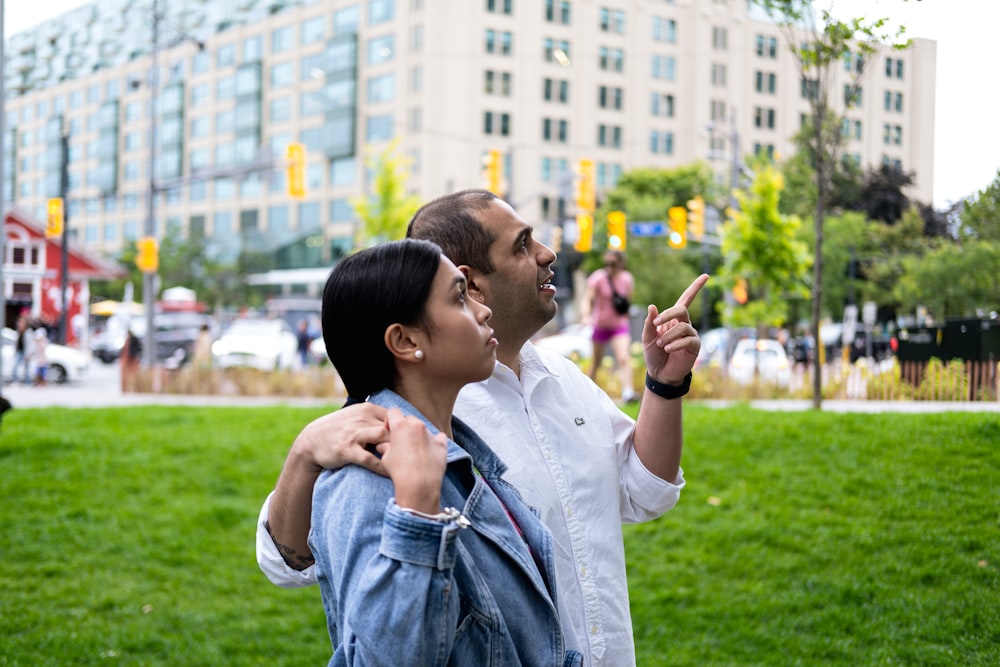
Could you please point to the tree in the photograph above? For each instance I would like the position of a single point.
(760, 247)
(980, 217)
(818, 48)
(386, 213)
(882, 197)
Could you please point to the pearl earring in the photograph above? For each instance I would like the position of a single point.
(418, 355)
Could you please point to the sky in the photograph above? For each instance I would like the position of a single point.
(967, 122)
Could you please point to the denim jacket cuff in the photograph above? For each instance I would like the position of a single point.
(411, 539)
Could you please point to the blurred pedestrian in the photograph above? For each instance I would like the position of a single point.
(606, 307)
(22, 349)
(41, 357)
(304, 337)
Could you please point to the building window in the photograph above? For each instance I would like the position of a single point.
(664, 68)
(556, 50)
(767, 47)
(226, 55)
(664, 30)
(612, 20)
(611, 59)
(661, 104)
(765, 82)
(852, 95)
(496, 123)
(764, 149)
(763, 118)
(346, 20)
(717, 110)
(380, 11)
(899, 102)
(555, 129)
(379, 128)
(609, 97)
(719, 75)
(720, 38)
(557, 11)
(314, 29)
(555, 90)
(282, 39)
(810, 88)
(661, 142)
(609, 136)
(381, 88)
(500, 6)
(381, 49)
(282, 74)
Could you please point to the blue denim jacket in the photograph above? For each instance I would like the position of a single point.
(402, 590)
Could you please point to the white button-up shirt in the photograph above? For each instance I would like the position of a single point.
(569, 452)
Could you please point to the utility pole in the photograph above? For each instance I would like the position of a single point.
(3, 202)
(149, 277)
(64, 255)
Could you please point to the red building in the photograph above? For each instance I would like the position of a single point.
(32, 277)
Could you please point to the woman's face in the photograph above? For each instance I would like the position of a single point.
(459, 345)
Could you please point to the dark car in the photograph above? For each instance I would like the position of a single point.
(174, 335)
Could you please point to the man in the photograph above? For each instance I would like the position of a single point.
(570, 451)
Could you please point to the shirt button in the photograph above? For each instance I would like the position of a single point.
(583, 570)
(593, 629)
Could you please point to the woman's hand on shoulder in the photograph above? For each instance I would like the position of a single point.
(416, 462)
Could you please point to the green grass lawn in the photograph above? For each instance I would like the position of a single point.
(801, 539)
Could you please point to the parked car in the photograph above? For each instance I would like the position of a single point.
(65, 363)
(266, 344)
(174, 335)
(714, 345)
(573, 342)
(765, 359)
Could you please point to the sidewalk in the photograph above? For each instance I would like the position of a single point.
(26, 396)
(67, 396)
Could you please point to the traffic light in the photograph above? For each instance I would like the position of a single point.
(616, 230)
(586, 191)
(493, 171)
(54, 221)
(741, 292)
(696, 217)
(296, 170)
(147, 257)
(678, 227)
(585, 226)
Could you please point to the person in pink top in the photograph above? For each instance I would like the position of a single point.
(610, 324)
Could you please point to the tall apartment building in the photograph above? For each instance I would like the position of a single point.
(625, 83)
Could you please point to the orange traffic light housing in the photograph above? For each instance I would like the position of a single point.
(678, 227)
(616, 230)
(55, 218)
(296, 170)
(493, 171)
(585, 229)
(147, 257)
(586, 188)
(696, 217)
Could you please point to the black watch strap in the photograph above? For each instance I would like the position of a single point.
(668, 391)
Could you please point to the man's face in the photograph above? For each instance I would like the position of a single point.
(520, 290)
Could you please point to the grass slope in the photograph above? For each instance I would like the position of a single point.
(801, 539)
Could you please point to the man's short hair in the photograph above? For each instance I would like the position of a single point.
(450, 221)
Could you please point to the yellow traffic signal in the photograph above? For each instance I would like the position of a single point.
(54, 221)
(585, 225)
(493, 171)
(296, 170)
(696, 217)
(586, 190)
(678, 227)
(147, 257)
(616, 230)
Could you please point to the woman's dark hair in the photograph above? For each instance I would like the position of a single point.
(364, 294)
(451, 222)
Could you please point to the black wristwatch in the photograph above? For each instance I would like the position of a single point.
(669, 391)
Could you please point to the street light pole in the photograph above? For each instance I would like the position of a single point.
(3, 213)
(149, 277)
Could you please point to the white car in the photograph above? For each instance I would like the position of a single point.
(266, 344)
(65, 363)
(574, 342)
(765, 359)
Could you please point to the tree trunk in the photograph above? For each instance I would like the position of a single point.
(817, 286)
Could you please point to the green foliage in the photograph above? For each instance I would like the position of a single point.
(980, 218)
(951, 280)
(387, 212)
(834, 539)
(760, 246)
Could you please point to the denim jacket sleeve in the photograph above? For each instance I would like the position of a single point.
(387, 574)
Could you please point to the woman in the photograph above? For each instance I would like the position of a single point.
(441, 563)
(610, 325)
